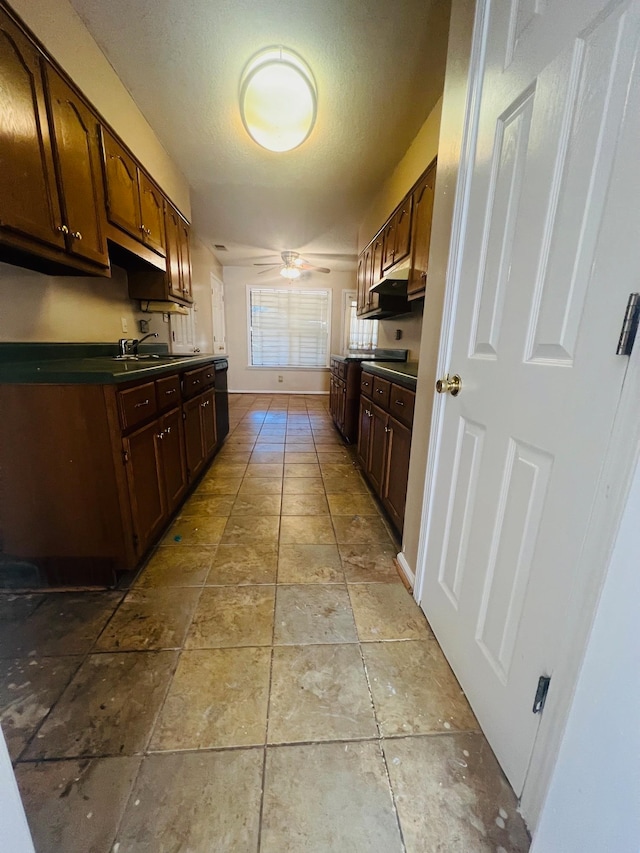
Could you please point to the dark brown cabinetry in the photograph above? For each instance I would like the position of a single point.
(395, 262)
(384, 441)
(421, 233)
(95, 472)
(51, 196)
(344, 395)
(175, 283)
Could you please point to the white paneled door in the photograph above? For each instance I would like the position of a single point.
(546, 252)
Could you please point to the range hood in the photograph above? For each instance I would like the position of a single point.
(395, 280)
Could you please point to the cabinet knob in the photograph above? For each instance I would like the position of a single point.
(399, 403)
(387, 429)
(140, 405)
(62, 229)
(76, 235)
(160, 435)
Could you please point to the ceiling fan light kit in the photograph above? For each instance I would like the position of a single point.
(292, 266)
(278, 99)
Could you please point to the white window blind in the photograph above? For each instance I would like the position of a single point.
(289, 328)
(363, 334)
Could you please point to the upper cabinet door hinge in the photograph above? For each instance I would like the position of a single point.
(541, 693)
(629, 325)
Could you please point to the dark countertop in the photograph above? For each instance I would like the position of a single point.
(376, 355)
(89, 364)
(405, 374)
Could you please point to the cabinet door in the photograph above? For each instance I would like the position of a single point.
(76, 147)
(361, 292)
(208, 418)
(185, 257)
(174, 466)
(394, 490)
(146, 492)
(151, 214)
(174, 258)
(342, 403)
(378, 448)
(375, 272)
(193, 437)
(332, 397)
(403, 230)
(389, 243)
(121, 180)
(29, 203)
(421, 233)
(364, 433)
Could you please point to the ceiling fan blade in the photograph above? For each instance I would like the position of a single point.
(312, 267)
(262, 272)
(267, 265)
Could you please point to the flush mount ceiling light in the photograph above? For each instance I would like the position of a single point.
(278, 99)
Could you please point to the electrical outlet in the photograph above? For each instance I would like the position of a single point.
(280, 379)
(124, 323)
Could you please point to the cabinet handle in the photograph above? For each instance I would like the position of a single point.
(167, 431)
(196, 381)
(173, 391)
(399, 403)
(62, 229)
(160, 435)
(380, 390)
(366, 384)
(140, 405)
(76, 235)
(387, 429)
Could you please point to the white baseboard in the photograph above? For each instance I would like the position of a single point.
(288, 393)
(406, 569)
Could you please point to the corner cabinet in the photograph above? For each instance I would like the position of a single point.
(384, 441)
(96, 472)
(344, 395)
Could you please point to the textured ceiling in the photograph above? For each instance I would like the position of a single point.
(379, 67)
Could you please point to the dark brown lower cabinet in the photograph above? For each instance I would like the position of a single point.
(143, 462)
(384, 447)
(208, 415)
(200, 430)
(344, 396)
(172, 452)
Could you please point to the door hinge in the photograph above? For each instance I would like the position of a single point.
(541, 693)
(629, 325)
(184, 415)
(125, 457)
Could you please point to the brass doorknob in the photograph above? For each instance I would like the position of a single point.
(449, 385)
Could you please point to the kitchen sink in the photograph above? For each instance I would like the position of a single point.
(150, 356)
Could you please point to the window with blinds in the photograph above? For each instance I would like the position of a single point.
(362, 334)
(289, 328)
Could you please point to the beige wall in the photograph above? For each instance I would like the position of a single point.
(455, 92)
(63, 34)
(38, 307)
(244, 378)
(204, 264)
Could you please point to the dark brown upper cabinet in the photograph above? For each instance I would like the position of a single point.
(423, 196)
(134, 203)
(77, 152)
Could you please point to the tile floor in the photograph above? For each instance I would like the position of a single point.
(265, 684)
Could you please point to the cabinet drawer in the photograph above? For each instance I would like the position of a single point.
(381, 392)
(334, 366)
(342, 369)
(137, 404)
(168, 392)
(209, 374)
(401, 404)
(192, 382)
(366, 384)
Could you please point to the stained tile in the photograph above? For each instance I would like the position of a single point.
(176, 567)
(386, 611)
(352, 505)
(414, 690)
(261, 486)
(227, 470)
(313, 613)
(337, 457)
(267, 457)
(369, 563)
(203, 505)
(306, 529)
(195, 802)
(328, 797)
(360, 529)
(337, 469)
(76, 806)
(195, 530)
(62, 623)
(243, 564)
(242, 529)
(218, 486)
(304, 469)
(292, 457)
(109, 707)
(235, 455)
(302, 486)
(28, 689)
(218, 697)
(304, 505)
(262, 471)
(334, 446)
(229, 616)
(346, 485)
(451, 794)
(309, 564)
(256, 505)
(150, 619)
(319, 693)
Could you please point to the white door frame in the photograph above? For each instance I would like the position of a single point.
(618, 463)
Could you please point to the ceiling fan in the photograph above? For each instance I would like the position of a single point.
(292, 266)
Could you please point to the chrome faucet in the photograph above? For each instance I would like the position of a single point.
(136, 343)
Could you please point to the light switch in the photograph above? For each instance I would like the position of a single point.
(124, 323)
